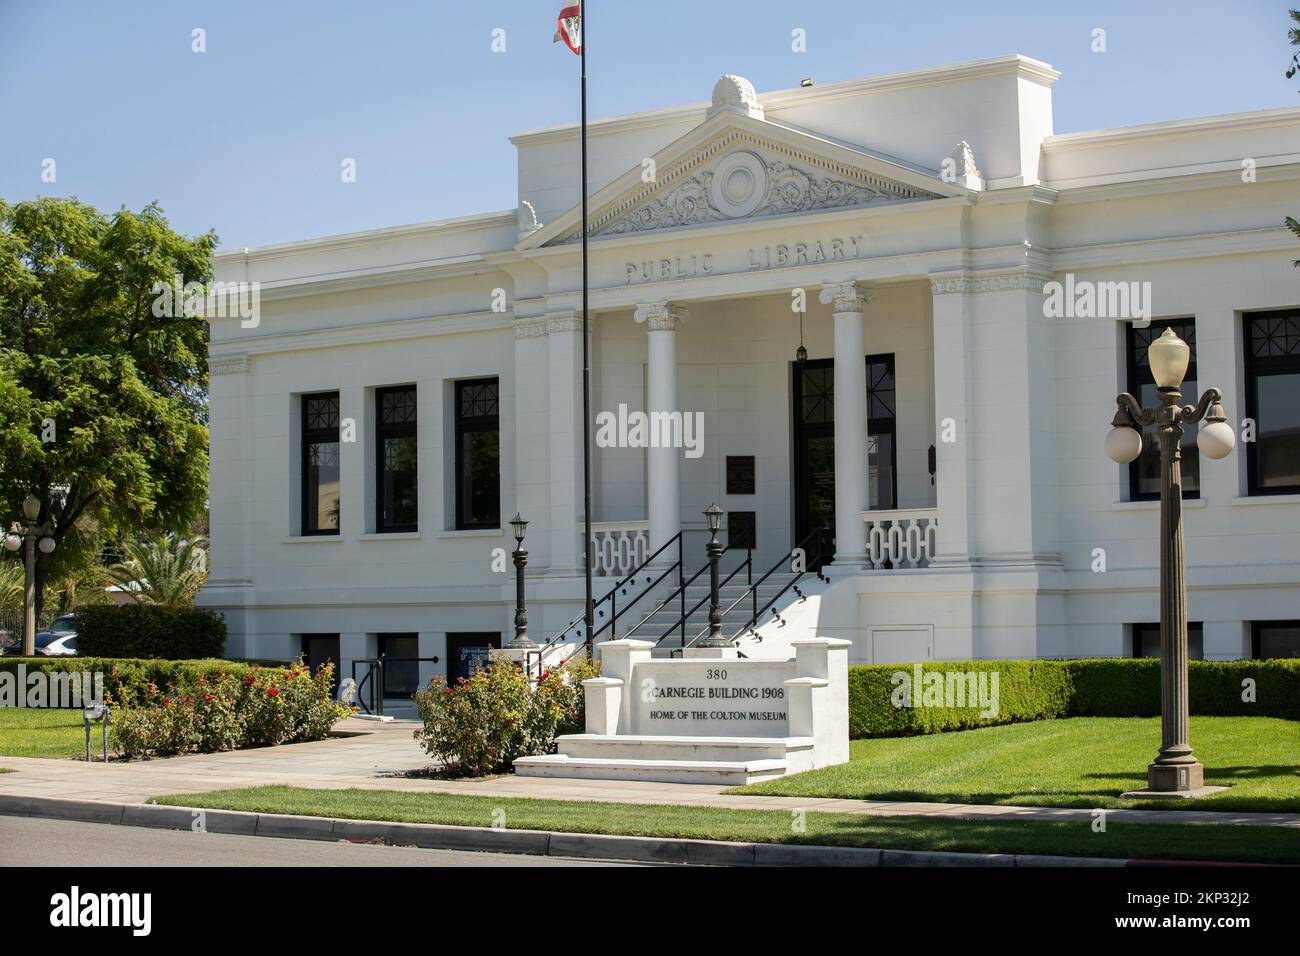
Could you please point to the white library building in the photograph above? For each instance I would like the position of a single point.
(881, 323)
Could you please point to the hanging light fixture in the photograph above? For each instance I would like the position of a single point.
(801, 353)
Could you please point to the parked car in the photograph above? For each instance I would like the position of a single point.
(61, 638)
(56, 645)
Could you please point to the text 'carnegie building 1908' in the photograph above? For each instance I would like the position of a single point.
(881, 323)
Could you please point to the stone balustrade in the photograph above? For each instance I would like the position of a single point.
(901, 538)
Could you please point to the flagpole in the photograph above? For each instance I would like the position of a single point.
(586, 349)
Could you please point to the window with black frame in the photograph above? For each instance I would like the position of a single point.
(882, 471)
(1144, 473)
(396, 460)
(478, 454)
(1272, 346)
(1274, 639)
(320, 463)
(1146, 640)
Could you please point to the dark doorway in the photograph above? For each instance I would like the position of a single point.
(319, 649)
(814, 442)
(401, 669)
(468, 652)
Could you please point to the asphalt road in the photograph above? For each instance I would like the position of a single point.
(32, 841)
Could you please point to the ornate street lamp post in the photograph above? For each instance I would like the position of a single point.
(1175, 771)
(713, 515)
(34, 536)
(521, 640)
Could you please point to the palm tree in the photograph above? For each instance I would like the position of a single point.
(163, 569)
(13, 581)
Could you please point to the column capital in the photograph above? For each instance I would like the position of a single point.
(661, 316)
(846, 296)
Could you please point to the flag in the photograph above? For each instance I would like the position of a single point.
(568, 27)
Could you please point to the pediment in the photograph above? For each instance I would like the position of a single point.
(735, 167)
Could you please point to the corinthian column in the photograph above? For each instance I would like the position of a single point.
(851, 490)
(662, 464)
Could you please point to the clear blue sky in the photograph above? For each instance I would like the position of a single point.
(248, 137)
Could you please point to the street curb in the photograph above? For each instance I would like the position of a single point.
(588, 846)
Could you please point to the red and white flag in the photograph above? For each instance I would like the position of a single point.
(568, 26)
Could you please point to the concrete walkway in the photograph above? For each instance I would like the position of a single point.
(379, 756)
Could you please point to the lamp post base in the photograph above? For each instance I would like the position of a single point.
(1179, 781)
(700, 652)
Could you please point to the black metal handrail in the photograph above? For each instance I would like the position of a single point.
(820, 535)
(747, 564)
(751, 591)
(375, 666)
(620, 587)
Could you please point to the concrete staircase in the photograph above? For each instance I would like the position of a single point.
(655, 626)
(726, 761)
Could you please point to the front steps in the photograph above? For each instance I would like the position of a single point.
(727, 761)
(662, 625)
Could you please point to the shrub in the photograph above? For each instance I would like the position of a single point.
(479, 725)
(221, 711)
(1046, 689)
(150, 631)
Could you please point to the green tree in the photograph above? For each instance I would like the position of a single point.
(102, 402)
(163, 569)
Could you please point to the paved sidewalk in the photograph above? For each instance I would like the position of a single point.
(378, 756)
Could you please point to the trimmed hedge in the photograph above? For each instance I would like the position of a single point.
(125, 677)
(150, 631)
(1046, 689)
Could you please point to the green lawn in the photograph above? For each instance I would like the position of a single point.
(29, 732)
(1142, 841)
(1080, 762)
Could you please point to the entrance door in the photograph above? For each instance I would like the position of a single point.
(401, 670)
(814, 442)
(468, 652)
(318, 649)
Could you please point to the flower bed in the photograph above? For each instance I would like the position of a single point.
(222, 711)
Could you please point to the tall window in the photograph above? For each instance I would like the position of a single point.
(397, 500)
(882, 471)
(478, 454)
(320, 463)
(1144, 474)
(1273, 400)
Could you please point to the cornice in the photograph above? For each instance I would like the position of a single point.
(367, 237)
(374, 276)
(1171, 248)
(1196, 126)
(358, 333)
(799, 96)
(1139, 183)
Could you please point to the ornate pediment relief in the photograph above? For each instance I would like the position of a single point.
(742, 175)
